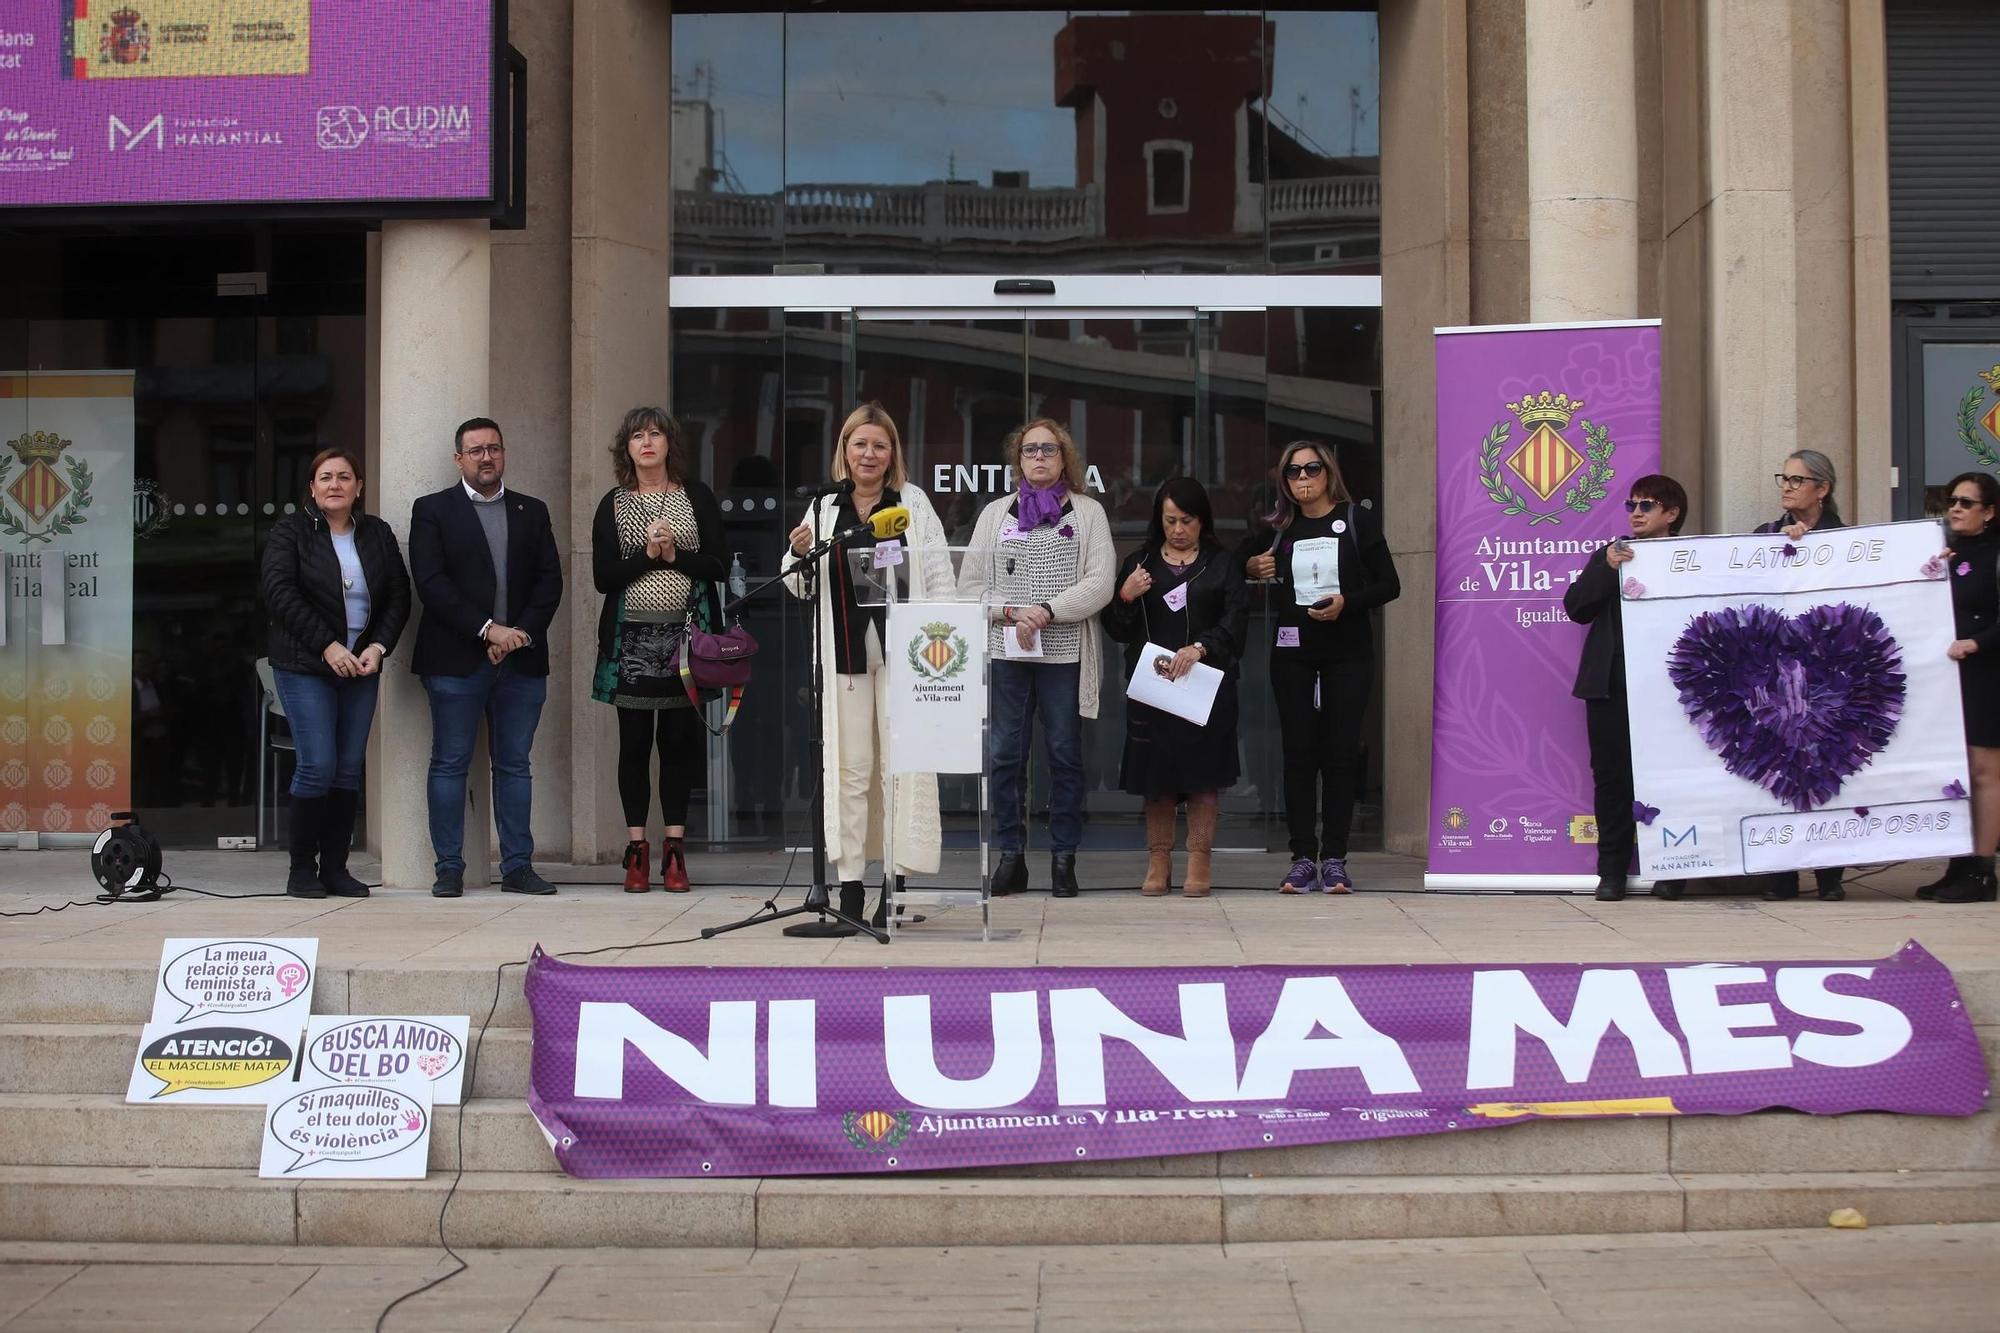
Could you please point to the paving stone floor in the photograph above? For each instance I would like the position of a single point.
(1908, 1279)
(1388, 922)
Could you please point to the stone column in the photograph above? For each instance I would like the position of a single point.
(1426, 284)
(1583, 161)
(621, 219)
(434, 295)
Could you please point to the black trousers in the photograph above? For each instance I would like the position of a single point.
(1320, 707)
(1605, 722)
(683, 761)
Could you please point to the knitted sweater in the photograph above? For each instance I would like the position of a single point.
(1079, 604)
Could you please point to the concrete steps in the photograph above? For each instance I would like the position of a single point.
(78, 1164)
(534, 1210)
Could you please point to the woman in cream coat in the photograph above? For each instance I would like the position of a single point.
(855, 677)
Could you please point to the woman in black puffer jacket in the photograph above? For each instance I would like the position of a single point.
(338, 596)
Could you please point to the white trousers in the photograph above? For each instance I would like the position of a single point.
(863, 704)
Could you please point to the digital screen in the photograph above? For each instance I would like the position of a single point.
(245, 101)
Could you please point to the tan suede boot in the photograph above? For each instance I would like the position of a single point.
(1200, 841)
(1159, 847)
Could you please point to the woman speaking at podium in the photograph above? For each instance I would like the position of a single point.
(854, 718)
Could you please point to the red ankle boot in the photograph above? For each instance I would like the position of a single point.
(638, 870)
(673, 866)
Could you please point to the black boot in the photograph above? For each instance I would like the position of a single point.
(1611, 888)
(1669, 889)
(1062, 875)
(1974, 885)
(879, 918)
(853, 898)
(1781, 887)
(1827, 880)
(306, 818)
(336, 836)
(1010, 875)
(1953, 869)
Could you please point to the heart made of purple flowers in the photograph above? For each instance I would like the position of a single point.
(1794, 704)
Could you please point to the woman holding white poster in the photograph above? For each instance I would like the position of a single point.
(1333, 564)
(1805, 488)
(1180, 593)
(853, 630)
(1973, 565)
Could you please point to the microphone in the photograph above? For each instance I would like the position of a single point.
(891, 522)
(842, 488)
(884, 524)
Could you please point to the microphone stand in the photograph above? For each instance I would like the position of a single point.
(831, 923)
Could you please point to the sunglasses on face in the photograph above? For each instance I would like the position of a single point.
(1312, 469)
(1641, 506)
(1789, 482)
(1965, 502)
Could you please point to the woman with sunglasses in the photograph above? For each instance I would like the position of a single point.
(1657, 507)
(1805, 488)
(1973, 566)
(1180, 591)
(1330, 559)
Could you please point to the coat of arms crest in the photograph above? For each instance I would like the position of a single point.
(1980, 432)
(51, 502)
(1545, 462)
(939, 653)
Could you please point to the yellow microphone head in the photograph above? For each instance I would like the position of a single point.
(891, 522)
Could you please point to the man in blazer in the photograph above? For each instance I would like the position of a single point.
(1657, 507)
(484, 562)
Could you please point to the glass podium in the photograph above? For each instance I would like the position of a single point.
(934, 652)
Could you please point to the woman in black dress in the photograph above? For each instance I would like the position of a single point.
(1973, 566)
(1180, 591)
(656, 553)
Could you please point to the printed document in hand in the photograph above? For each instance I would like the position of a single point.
(1191, 697)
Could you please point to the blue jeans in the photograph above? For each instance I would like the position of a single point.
(511, 703)
(329, 717)
(1021, 692)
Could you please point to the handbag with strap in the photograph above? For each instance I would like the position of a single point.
(711, 661)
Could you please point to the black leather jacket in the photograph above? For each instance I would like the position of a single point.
(303, 596)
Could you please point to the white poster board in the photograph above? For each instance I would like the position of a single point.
(937, 687)
(1792, 705)
(348, 1049)
(227, 1019)
(322, 1130)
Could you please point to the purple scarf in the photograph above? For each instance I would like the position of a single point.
(1040, 505)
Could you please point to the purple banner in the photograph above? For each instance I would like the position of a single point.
(658, 1071)
(214, 102)
(1540, 433)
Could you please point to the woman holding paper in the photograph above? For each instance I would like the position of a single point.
(1049, 575)
(1182, 607)
(1805, 488)
(853, 629)
(1330, 559)
(1973, 566)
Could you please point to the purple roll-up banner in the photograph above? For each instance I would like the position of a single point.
(1542, 428)
(686, 1071)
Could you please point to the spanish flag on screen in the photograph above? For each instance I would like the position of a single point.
(180, 39)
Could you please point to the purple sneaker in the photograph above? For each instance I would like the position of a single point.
(1333, 875)
(1303, 879)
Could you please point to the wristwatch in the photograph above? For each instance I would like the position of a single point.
(1047, 610)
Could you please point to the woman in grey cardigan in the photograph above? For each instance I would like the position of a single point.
(1049, 575)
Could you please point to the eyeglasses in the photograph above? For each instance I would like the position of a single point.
(1641, 506)
(1312, 469)
(1965, 502)
(1040, 450)
(1788, 482)
(484, 451)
